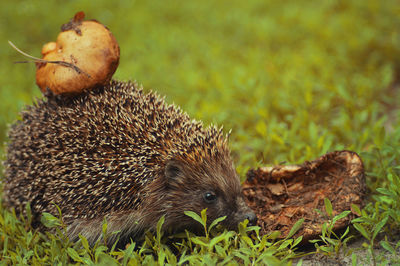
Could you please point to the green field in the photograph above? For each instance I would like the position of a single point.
(292, 79)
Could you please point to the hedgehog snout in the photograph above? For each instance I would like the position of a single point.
(240, 213)
(246, 213)
(251, 216)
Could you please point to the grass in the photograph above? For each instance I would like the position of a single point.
(293, 80)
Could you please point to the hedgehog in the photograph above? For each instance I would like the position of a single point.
(124, 155)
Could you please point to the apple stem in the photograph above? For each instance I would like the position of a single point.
(36, 59)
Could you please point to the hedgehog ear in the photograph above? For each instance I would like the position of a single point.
(173, 170)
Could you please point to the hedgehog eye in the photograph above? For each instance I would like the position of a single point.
(210, 197)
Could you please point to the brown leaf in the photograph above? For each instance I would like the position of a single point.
(283, 194)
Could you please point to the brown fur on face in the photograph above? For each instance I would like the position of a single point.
(183, 188)
(118, 153)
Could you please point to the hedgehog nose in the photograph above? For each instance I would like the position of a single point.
(251, 216)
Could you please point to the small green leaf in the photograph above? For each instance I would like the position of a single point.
(128, 252)
(106, 259)
(296, 227)
(379, 226)
(104, 227)
(297, 241)
(220, 251)
(347, 239)
(267, 259)
(358, 220)
(159, 227)
(194, 216)
(28, 213)
(328, 207)
(247, 240)
(356, 209)
(242, 228)
(216, 221)
(49, 220)
(198, 241)
(216, 240)
(208, 260)
(333, 242)
(362, 230)
(263, 243)
(354, 259)
(385, 191)
(244, 257)
(74, 255)
(161, 257)
(204, 216)
(323, 230)
(345, 233)
(340, 216)
(274, 235)
(84, 242)
(99, 251)
(327, 249)
(285, 244)
(5, 246)
(388, 247)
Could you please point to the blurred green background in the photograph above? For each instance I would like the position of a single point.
(292, 79)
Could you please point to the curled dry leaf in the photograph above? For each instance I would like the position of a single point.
(281, 195)
(86, 54)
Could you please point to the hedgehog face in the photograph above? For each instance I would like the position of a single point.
(211, 185)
